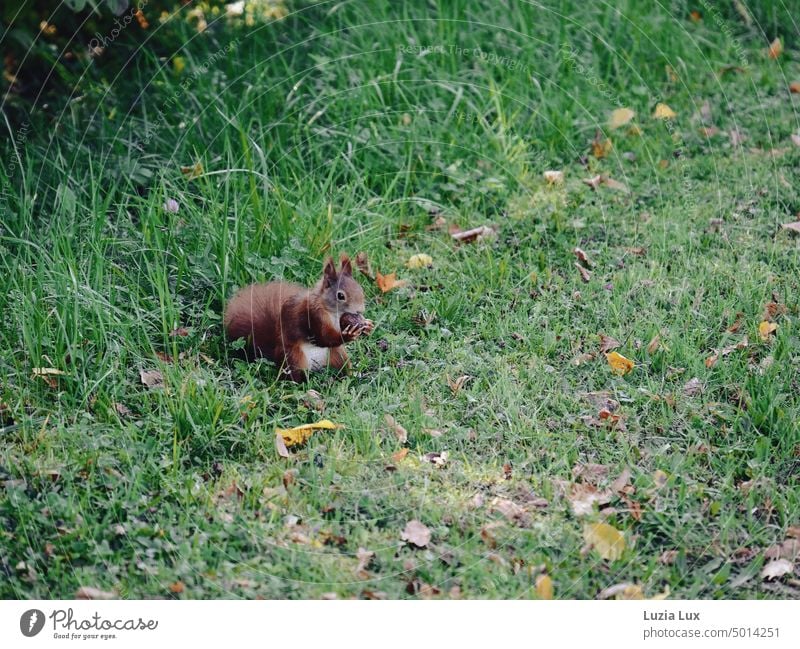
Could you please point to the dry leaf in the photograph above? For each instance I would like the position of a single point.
(88, 592)
(544, 587)
(397, 429)
(594, 182)
(607, 343)
(622, 591)
(388, 282)
(508, 508)
(419, 261)
(457, 384)
(299, 434)
(280, 445)
(765, 329)
(600, 147)
(795, 139)
(775, 49)
(693, 387)
(554, 177)
(619, 364)
(614, 184)
(177, 588)
(400, 455)
(663, 111)
(660, 478)
(47, 371)
(695, 16)
(794, 227)
(654, 344)
(416, 533)
(193, 171)
(582, 256)
(364, 557)
(583, 496)
(620, 117)
(607, 541)
(151, 378)
(668, 557)
(585, 274)
(776, 569)
(475, 234)
(436, 458)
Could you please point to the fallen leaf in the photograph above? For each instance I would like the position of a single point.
(654, 344)
(590, 472)
(663, 111)
(508, 508)
(614, 184)
(708, 131)
(765, 329)
(794, 87)
(457, 384)
(364, 557)
(475, 234)
(177, 587)
(622, 591)
(607, 540)
(582, 256)
(776, 569)
(619, 364)
(668, 557)
(620, 117)
(47, 371)
(416, 533)
(420, 260)
(88, 592)
(692, 387)
(594, 182)
(299, 434)
(151, 378)
(607, 343)
(400, 455)
(397, 429)
(601, 147)
(388, 282)
(586, 276)
(695, 16)
(193, 171)
(554, 177)
(280, 445)
(795, 139)
(660, 478)
(583, 496)
(544, 587)
(436, 458)
(775, 49)
(794, 227)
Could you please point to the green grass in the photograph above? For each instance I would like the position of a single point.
(316, 133)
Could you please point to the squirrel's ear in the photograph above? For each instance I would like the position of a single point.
(347, 268)
(329, 272)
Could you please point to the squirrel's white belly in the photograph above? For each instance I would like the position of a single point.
(316, 357)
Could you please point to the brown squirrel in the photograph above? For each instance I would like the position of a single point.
(300, 329)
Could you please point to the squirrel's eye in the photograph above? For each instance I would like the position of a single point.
(341, 296)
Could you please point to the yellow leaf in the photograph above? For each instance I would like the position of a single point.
(299, 434)
(601, 148)
(554, 177)
(775, 48)
(193, 171)
(619, 364)
(47, 371)
(620, 117)
(178, 64)
(387, 282)
(544, 587)
(419, 261)
(765, 329)
(664, 112)
(607, 540)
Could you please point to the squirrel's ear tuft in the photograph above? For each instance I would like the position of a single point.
(347, 268)
(329, 272)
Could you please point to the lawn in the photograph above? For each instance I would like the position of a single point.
(383, 128)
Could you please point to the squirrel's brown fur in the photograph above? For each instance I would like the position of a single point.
(298, 328)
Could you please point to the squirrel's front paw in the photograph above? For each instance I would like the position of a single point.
(351, 332)
(367, 327)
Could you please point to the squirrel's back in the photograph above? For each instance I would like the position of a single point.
(254, 313)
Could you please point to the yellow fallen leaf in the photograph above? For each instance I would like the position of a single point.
(544, 587)
(775, 48)
(419, 261)
(192, 172)
(607, 540)
(299, 434)
(619, 364)
(387, 282)
(601, 148)
(664, 112)
(554, 177)
(178, 64)
(620, 117)
(765, 329)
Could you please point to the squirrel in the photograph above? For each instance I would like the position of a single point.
(297, 328)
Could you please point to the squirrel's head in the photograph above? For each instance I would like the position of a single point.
(340, 293)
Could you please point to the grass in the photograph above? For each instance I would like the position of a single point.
(354, 126)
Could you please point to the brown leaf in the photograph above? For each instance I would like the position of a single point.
(607, 343)
(388, 282)
(583, 496)
(151, 378)
(122, 409)
(416, 534)
(457, 384)
(654, 344)
(400, 455)
(668, 557)
(364, 557)
(177, 587)
(193, 171)
(180, 331)
(436, 458)
(776, 569)
(582, 256)
(794, 87)
(89, 592)
(594, 182)
(692, 387)
(601, 147)
(475, 234)
(397, 429)
(794, 227)
(280, 446)
(622, 481)
(590, 472)
(585, 274)
(775, 49)
(511, 510)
